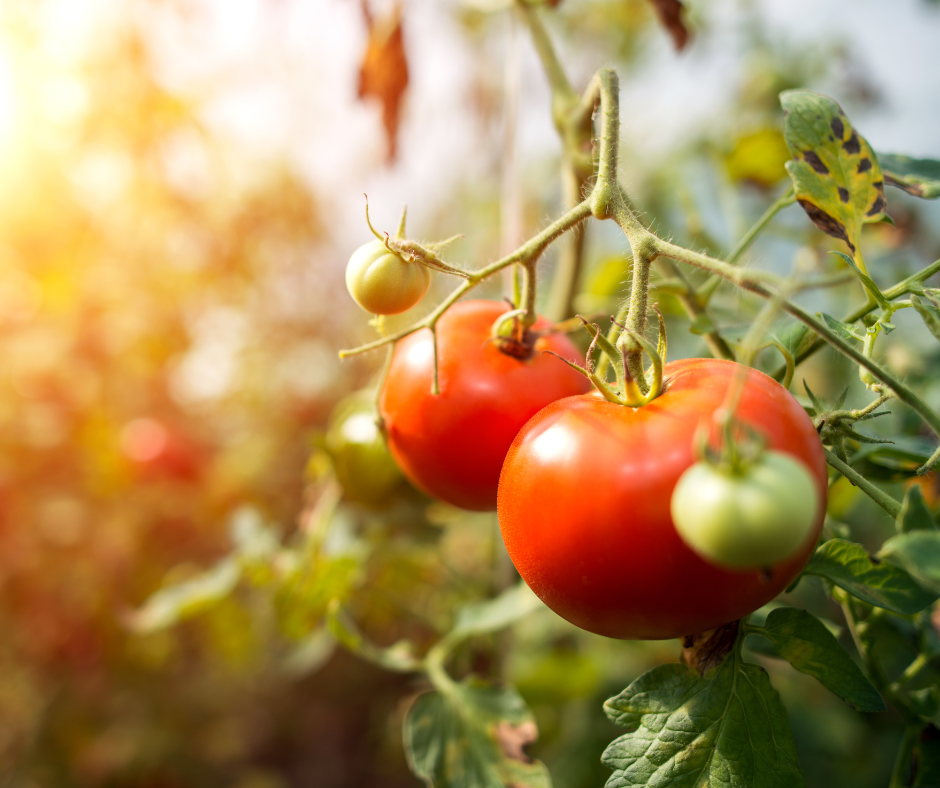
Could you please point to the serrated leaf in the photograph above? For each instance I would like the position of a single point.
(878, 583)
(914, 514)
(726, 728)
(929, 314)
(478, 618)
(920, 177)
(173, 604)
(844, 330)
(473, 737)
(835, 172)
(918, 552)
(805, 642)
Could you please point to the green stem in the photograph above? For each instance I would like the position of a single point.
(784, 200)
(901, 288)
(885, 501)
(911, 672)
(530, 251)
(529, 286)
(694, 308)
(902, 764)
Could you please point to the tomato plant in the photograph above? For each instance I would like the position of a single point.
(452, 444)
(749, 517)
(610, 560)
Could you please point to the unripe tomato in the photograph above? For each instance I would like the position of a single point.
(750, 519)
(584, 505)
(452, 444)
(383, 283)
(364, 467)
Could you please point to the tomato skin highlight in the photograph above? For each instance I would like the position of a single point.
(584, 505)
(452, 445)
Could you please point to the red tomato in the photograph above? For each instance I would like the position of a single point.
(452, 445)
(584, 505)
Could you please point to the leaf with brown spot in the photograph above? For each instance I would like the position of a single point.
(383, 73)
(920, 177)
(473, 737)
(835, 172)
(670, 16)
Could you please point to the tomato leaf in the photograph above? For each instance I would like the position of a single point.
(383, 73)
(725, 728)
(914, 514)
(670, 17)
(929, 314)
(836, 174)
(176, 603)
(479, 618)
(844, 330)
(898, 461)
(876, 582)
(918, 552)
(805, 642)
(869, 283)
(920, 177)
(473, 737)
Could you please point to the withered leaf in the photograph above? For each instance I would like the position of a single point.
(383, 73)
(670, 16)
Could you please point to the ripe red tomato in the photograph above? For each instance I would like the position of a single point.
(452, 444)
(584, 505)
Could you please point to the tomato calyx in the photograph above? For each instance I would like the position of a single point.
(626, 389)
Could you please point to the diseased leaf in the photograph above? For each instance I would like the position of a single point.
(670, 17)
(918, 552)
(173, 604)
(383, 73)
(481, 617)
(836, 173)
(805, 642)
(726, 728)
(876, 582)
(914, 514)
(473, 737)
(920, 177)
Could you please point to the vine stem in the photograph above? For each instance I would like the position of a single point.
(885, 501)
(530, 251)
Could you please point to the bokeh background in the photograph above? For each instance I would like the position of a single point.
(180, 187)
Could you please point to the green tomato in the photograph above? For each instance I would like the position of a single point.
(383, 283)
(746, 520)
(363, 464)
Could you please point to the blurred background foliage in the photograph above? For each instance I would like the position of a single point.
(170, 320)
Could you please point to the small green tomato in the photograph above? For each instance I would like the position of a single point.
(747, 520)
(363, 463)
(383, 283)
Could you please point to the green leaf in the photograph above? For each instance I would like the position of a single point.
(473, 737)
(870, 285)
(726, 728)
(702, 324)
(920, 177)
(173, 604)
(878, 583)
(479, 618)
(835, 172)
(895, 462)
(918, 552)
(914, 514)
(929, 314)
(844, 330)
(805, 642)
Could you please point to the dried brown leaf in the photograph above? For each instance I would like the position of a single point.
(670, 16)
(383, 73)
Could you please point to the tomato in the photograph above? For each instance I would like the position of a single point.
(364, 467)
(584, 505)
(750, 519)
(383, 283)
(452, 444)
